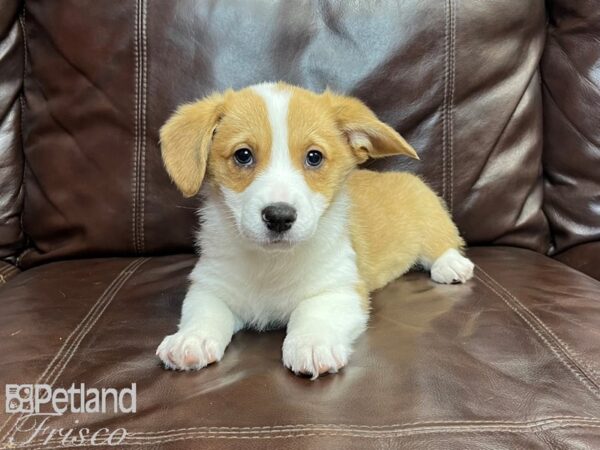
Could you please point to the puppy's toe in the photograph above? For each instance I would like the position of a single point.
(452, 267)
(186, 350)
(314, 356)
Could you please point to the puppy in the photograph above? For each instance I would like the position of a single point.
(292, 232)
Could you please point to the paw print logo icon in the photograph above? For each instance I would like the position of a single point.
(19, 398)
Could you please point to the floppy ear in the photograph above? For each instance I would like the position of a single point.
(185, 141)
(368, 136)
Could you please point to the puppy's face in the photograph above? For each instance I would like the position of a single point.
(278, 155)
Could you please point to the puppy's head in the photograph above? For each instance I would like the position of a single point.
(277, 154)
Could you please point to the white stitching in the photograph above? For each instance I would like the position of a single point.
(371, 427)
(375, 435)
(139, 158)
(68, 343)
(136, 126)
(568, 365)
(144, 96)
(445, 98)
(67, 358)
(143, 136)
(348, 427)
(451, 103)
(75, 334)
(542, 324)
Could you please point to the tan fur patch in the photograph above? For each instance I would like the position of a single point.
(202, 137)
(245, 124)
(395, 219)
(312, 126)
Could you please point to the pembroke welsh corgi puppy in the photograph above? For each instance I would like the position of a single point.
(292, 232)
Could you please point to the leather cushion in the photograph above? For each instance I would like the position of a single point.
(508, 360)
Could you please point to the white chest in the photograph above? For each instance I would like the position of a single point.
(262, 288)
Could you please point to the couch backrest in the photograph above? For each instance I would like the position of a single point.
(459, 79)
(571, 73)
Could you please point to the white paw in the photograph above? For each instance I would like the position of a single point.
(190, 350)
(451, 267)
(314, 355)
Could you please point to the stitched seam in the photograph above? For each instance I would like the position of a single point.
(136, 125)
(109, 298)
(346, 434)
(77, 335)
(565, 348)
(572, 368)
(372, 427)
(445, 98)
(345, 427)
(68, 341)
(373, 433)
(144, 96)
(450, 118)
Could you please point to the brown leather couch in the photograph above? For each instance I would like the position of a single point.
(500, 98)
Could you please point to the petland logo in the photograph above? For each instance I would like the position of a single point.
(39, 403)
(33, 398)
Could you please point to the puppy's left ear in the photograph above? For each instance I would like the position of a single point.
(368, 136)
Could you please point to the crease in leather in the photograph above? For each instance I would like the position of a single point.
(567, 118)
(97, 88)
(530, 80)
(72, 342)
(576, 69)
(574, 365)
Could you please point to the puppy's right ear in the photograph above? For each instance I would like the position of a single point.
(185, 141)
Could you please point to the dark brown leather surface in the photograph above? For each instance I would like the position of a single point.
(442, 73)
(571, 77)
(11, 155)
(509, 360)
(583, 257)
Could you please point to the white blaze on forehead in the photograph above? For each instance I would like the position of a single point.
(277, 102)
(280, 181)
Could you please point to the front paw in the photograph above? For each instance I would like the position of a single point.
(314, 355)
(190, 350)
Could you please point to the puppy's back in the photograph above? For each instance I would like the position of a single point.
(395, 218)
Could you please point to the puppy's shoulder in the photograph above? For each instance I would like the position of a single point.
(366, 184)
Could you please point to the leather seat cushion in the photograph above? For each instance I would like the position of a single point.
(510, 359)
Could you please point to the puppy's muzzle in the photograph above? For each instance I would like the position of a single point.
(279, 217)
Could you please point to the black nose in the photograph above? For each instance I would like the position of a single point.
(279, 217)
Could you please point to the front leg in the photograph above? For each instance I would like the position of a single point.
(321, 331)
(206, 327)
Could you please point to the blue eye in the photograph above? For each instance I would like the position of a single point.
(244, 157)
(314, 158)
